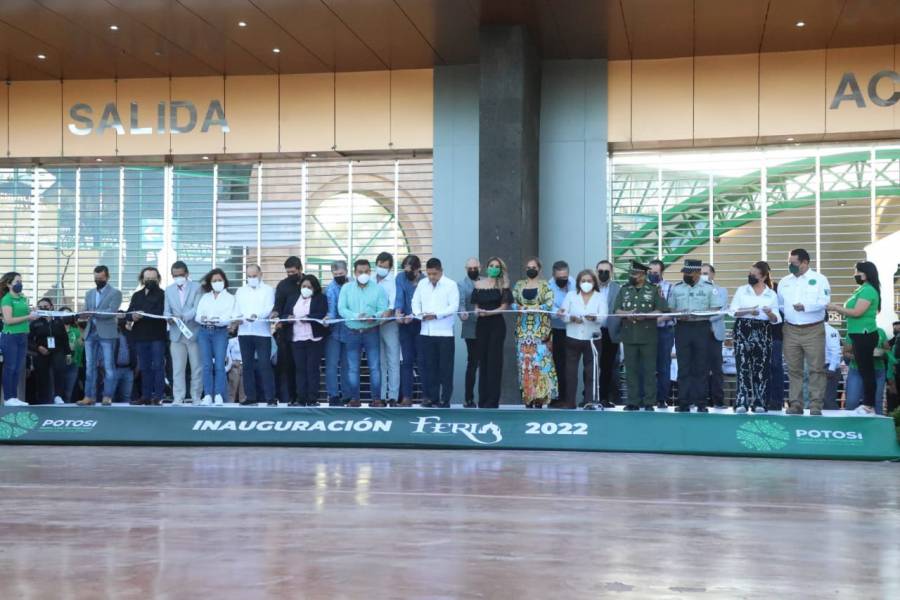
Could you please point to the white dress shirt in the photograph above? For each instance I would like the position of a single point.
(211, 307)
(811, 290)
(832, 348)
(389, 285)
(574, 306)
(254, 301)
(746, 297)
(442, 300)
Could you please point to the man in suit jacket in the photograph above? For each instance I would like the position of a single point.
(609, 349)
(182, 298)
(100, 336)
(717, 336)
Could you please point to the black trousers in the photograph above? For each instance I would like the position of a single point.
(491, 335)
(559, 360)
(471, 369)
(716, 376)
(691, 342)
(307, 363)
(286, 372)
(50, 376)
(864, 345)
(439, 352)
(609, 351)
(580, 351)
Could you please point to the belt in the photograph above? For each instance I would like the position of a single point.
(214, 326)
(804, 325)
(361, 331)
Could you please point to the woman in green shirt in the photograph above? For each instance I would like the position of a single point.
(14, 341)
(861, 310)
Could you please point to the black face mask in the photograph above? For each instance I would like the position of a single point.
(341, 279)
(472, 273)
(410, 275)
(295, 277)
(531, 273)
(151, 284)
(752, 280)
(688, 279)
(858, 279)
(603, 276)
(100, 284)
(633, 280)
(562, 282)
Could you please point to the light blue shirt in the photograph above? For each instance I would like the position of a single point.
(355, 300)
(559, 297)
(333, 293)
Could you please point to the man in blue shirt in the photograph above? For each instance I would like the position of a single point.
(336, 343)
(362, 302)
(410, 340)
(561, 284)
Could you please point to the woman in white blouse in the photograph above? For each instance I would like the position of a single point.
(584, 312)
(755, 308)
(214, 314)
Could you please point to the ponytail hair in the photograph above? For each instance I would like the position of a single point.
(871, 273)
(763, 267)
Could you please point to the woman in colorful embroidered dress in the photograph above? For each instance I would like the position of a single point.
(537, 375)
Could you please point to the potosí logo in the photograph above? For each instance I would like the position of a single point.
(69, 425)
(485, 434)
(763, 435)
(16, 424)
(828, 435)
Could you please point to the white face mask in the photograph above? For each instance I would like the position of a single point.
(363, 278)
(704, 278)
(218, 286)
(180, 281)
(306, 292)
(253, 281)
(382, 272)
(586, 286)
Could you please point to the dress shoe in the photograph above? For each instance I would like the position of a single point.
(649, 408)
(589, 406)
(139, 402)
(427, 404)
(794, 409)
(469, 404)
(682, 409)
(631, 407)
(702, 409)
(295, 404)
(608, 404)
(272, 403)
(406, 403)
(354, 403)
(815, 412)
(662, 406)
(86, 402)
(334, 401)
(377, 404)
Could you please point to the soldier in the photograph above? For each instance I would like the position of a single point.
(691, 336)
(639, 336)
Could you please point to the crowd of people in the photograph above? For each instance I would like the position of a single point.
(264, 345)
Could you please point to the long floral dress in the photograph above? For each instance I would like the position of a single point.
(537, 375)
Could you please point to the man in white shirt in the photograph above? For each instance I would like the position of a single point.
(182, 298)
(716, 337)
(832, 366)
(803, 296)
(254, 301)
(389, 331)
(436, 301)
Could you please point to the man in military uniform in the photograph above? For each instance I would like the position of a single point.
(639, 336)
(691, 336)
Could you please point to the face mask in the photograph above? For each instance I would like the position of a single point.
(100, 284)
(472, 273)
(688, 279)
(704, 278)
(410, 275)
(794, 269)
(493, 272)
(340, 279)
(655, 278)
(603, 276)
(17, 287)
(633, 280)
(531, 273)
(253, 281)
(587, 286)
(382, 272)
(752, 280)
(45, 308)
(362, 278)
(295, 277)
(151, 284)
(306, 292)
(180, 281)
(858, 279)
(562, 282)
(218, 286)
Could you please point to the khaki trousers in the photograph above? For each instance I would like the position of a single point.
(805, 345)
(236, 382)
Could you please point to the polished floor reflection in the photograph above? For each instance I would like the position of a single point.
(246, 523)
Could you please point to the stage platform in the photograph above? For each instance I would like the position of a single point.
(722, 434)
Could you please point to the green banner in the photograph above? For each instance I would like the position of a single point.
(851, 438)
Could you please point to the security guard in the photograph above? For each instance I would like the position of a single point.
(691, 336)
(639, 336)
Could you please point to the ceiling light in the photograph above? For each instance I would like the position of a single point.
(99, 160)
(205, 158)
(42, 56)
(242, 23)
(790, 139)
(157, 53)
(113, 27)
(313, 155)
(801, 23)
(276, 50)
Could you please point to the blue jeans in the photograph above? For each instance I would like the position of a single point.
(71, 380)
(336, 354)
(151, 361)
(256, 357)
(776, 377)
(371, 341)
(213, 343)
(14, 347)
(665, 339)
(123, 384)
(93, 346)
(412, 356)
(854, 389)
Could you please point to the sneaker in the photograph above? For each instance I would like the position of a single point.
(864, 411)
(15, 402)
(177, 403)
(58, 400)
(740, 410)
(759, 409)
(719, 405)
(590, 406)
(207, 400)
(218, 400)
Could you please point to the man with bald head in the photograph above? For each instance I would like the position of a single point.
(466, 286)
